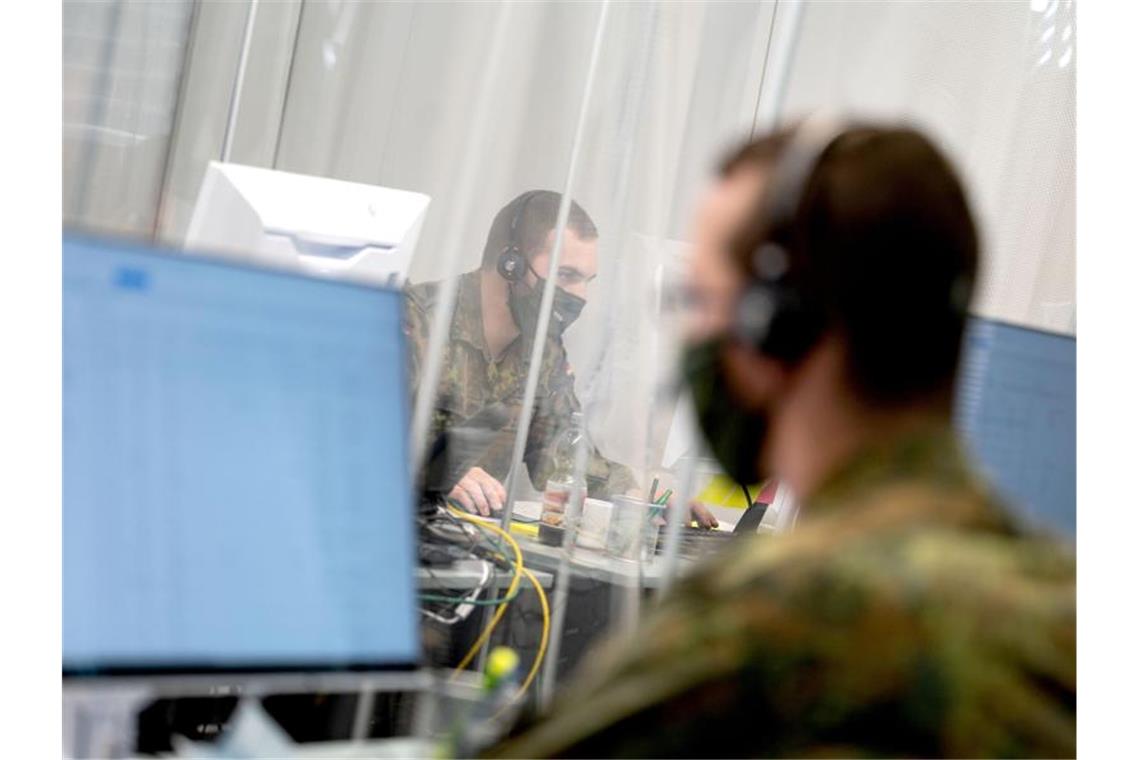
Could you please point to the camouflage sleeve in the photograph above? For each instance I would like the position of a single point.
(554, 404)
(417, 326)
(416, 333)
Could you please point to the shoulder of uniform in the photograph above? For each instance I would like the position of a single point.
(422, 295)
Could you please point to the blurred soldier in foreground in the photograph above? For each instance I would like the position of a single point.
(908, 614)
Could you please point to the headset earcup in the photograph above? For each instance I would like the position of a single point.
(755, 312)
(511, 264)
(776, 316)
(789, 336)
(772, 320)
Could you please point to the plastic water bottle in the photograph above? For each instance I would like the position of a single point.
(565, 491)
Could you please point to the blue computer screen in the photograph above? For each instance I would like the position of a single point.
(236, 490)
(1017, 409)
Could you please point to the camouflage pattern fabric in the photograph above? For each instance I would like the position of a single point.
(473, 380)
(906, 615)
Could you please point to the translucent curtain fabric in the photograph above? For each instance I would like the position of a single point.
(996, 84)
(122, 64)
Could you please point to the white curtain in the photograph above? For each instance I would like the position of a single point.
(383, 93)
(995, 82)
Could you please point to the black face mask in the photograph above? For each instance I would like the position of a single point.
(525, 302)
(734, 433)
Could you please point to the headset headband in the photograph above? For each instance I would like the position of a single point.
(791, 176)
(522, 202)
(512, 263)
(774, 315)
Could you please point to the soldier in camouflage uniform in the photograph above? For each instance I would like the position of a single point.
(478, 376)
(908, 613)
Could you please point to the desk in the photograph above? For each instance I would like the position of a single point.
(373, 749)
(598, 595)
(595, 564)
(465, 574)
(543, 560)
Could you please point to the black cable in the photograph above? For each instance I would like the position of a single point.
(747, 496)
(465, 540)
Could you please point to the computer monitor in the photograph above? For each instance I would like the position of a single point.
(236, 487)
(320, 225)
(1017, 409)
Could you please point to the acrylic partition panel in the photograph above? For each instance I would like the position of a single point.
(122, 64)
(996, 84)
(626, 108)
(475, 104)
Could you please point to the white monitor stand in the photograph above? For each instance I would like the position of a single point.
(324, 226)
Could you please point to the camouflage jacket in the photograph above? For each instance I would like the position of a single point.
(472, 381)
(905, 615)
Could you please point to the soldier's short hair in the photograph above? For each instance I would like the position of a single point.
(537, 212)
(887, 244)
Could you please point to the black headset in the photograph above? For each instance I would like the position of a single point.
(512, 263)
(776, 315)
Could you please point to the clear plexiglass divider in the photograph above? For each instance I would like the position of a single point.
(579, 135)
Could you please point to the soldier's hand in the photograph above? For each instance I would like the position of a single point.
(479, 492)
(699, 512)
(704, 517)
